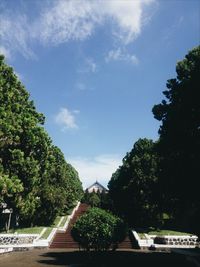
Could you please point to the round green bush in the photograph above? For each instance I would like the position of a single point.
(99, 230)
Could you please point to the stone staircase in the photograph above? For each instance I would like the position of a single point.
(64, 239)
(125, 244)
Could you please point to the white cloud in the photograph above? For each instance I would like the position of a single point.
(91, 65)
(15, 35)
(77, 20)
(80, 86)
(66, 20)
(4, 51)
(88, 66)
(76, 111)
(19, 76)
(127, 16)
(98, 168)
(172, 29)
(120, 55)
(63, 20)
(66, 119)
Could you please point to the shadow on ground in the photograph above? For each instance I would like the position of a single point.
(118, 258)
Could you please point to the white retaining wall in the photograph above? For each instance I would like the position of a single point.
(147, 242)
(47, 242)
(167, 241)
(10, 241)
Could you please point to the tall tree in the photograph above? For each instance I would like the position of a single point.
(179, 144)
(133, 186)
(35, 180)
(18, 123)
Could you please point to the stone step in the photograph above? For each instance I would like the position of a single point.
(65, 240)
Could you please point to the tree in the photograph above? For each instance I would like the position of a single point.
(98, 230)
(18, 143)
(94, 200)
(86, 197)
(133, 187)
(9, 188)
(106, 202)
(35, 180)
(74, 187)
(179, 143)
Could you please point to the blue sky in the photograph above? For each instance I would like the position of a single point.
(96, 68)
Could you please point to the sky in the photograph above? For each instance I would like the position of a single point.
(96, 68)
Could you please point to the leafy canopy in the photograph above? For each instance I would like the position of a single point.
(35, 180)
(179, 144)
(134, 184)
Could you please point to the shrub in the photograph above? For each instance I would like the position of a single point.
(98, 230)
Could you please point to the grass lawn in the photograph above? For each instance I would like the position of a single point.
(50, 228)
(30, 230)
(159, 232)
(46, 233)
(64, 221)
(167, 232)
(141, 235)
(38, 229)
(35, 229)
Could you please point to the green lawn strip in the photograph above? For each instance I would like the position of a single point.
(167, 232)
(163, 232)
(55, 223)
(30, 230)
(69, 212)
(38, 229)
(46, 233)
(50, 228)
(141, 235)
(63, 221)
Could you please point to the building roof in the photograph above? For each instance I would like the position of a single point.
(97, 185)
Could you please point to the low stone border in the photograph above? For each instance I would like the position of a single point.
(16, 239)
(175, 240)
(166, 241)
(5, 250)
(12, 242)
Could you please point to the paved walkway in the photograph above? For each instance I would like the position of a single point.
(67, 258)
(191, 255)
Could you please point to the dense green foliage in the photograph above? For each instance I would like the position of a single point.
(35, 180)
(133, 186)
(163, 177)
(98, 230)
(179, 144)
(97, 199)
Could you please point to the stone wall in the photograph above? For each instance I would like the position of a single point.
(17, 239)
(175, 240)
(168, 241)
